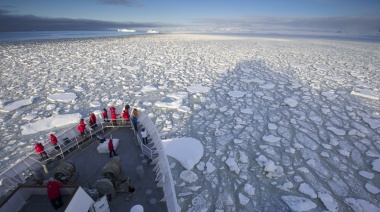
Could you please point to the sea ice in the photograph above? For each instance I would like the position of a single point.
(62, 97)
(231, 163)
(305, 189)
(291, 102)
(243, 199)
(373, 123)
(198, 89)
(50, 123)
(298, 203)
(361, 205)
(367, 175)
(237, 94)
(329, 202)
(188, 176)
(376, 165)
(249, 189)
(337, 131)
(372, 189)
(271, 138)
(16, 105)
(188, 151)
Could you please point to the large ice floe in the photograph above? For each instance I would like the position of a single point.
(248, 123)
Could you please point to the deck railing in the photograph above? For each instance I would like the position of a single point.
(159, 159)
(70, 138)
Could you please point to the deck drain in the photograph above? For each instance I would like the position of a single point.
(152, 201)
(148, 192)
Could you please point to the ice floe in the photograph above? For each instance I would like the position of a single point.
(188, 151)
(50, 123)
(16, 105)
(62, 97)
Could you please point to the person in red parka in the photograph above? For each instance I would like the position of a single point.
(111, 148)
(112, 109)
(114, 117)
(54, 141)
(93, 121)
(105, 115)
(126, 116)
(41, 151)
(54, 193)
(81, 122)
(81, 128)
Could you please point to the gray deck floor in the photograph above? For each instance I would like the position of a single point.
(89, 164)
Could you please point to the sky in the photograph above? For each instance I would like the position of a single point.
(346, 16)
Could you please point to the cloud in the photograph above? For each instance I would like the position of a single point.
(11, 23)
(324, 24)
(118, 2)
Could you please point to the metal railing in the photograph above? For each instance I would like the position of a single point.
(157, 154)
(70, 138)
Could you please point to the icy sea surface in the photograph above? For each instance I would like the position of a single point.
(286, 124)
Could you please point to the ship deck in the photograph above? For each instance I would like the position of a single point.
(89, 163)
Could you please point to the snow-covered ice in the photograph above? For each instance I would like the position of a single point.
(62, 97)
(50, 123)
(276, 120)
(16, 105)
(188, 151)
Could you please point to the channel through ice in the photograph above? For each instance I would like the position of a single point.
(248, 123)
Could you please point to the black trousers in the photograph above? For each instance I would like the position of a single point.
(145, 140)
(114, 153)
(57, 202)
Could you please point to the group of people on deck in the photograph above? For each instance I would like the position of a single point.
(92, 123)
(40, 149)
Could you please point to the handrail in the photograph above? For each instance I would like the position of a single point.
(19, 172)
(161, 161)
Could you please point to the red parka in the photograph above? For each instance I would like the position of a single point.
(81, 128)
(53, 139)
(92, 119)
(39, 148)
(126, 115)
(114, 116)
(110, 145)
(82, 123)
(112, 109)
(105, 115)
(53, 189)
